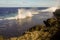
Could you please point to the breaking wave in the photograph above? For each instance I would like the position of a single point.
(23, 13)
(51, 9)
(26, 13)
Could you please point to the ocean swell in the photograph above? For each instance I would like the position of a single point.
(28, 13)
(23, 13)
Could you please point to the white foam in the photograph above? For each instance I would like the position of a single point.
(9, 18)
(29, 14)
(35, 12)
(23, 13)
(1, 19)
(51, 9)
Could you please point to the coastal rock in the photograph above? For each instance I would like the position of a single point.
(57, 13)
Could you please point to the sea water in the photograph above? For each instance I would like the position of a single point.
(13, 24)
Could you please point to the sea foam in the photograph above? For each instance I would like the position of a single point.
(24, 13)
(51, 9)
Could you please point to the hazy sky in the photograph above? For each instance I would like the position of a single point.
(27, 3)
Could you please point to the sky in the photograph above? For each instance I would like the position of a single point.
(27, 3)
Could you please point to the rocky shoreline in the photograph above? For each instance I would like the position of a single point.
(49, 31)
(41, 32)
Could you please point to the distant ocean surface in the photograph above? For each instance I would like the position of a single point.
(13, 11)
(14, 27)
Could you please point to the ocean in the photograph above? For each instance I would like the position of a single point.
(10, 26)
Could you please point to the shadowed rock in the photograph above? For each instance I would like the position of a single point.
(50, 22)
(57, 35)
(57, 14)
